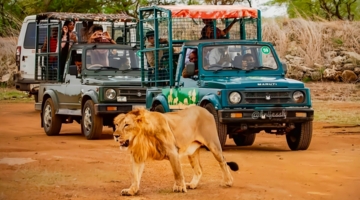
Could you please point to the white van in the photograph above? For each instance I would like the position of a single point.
(25, 50)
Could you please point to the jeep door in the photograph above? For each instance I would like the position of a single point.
(73, 82)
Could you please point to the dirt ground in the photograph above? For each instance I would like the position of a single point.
(36, 166)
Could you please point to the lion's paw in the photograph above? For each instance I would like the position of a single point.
(127, 192)
(179, 188)
(191, 186)
(226, 184)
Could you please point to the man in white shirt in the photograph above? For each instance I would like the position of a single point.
(219, 56)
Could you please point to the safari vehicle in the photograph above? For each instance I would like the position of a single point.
(244, 97)
(99, 81)
(123, 32)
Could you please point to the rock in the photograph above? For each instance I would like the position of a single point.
(349, 76)
(330, 55)
(5, 78)
(355, 57)
(349, 66)
(295, 74)
(303, 68)
(357, 70)
(332, 75)
(337, 60)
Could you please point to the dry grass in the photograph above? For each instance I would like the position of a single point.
(7, 55)
(311, 40)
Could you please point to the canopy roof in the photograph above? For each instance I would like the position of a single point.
(121, 17)
(211, 11)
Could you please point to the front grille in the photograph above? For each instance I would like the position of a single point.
(267, 97)
(133, 95)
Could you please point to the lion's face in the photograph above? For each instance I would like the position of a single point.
(126, 127)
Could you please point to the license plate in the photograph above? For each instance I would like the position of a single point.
(268, 114)
(121, 99)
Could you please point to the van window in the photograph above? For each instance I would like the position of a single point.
(29, 41)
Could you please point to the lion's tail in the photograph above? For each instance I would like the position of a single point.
(233, 166)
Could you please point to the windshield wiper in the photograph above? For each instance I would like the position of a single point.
(217, 70)
(106, 67)
(259, 67)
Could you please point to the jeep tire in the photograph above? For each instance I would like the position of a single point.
(222, 128)
(159, 108)
(92, 124)
(51, 121)
(300, 137)
(246, 139)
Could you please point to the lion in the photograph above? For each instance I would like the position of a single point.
(159, 136)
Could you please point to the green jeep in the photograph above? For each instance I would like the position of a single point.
(99, 81)
(245, 97)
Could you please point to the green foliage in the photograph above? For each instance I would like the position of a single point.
(326, 9)
(306, 79)
(337, 42)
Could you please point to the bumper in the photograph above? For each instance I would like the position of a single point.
(115, 109)
(24, 84)
(266, 115)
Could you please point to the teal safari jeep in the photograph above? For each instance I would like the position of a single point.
(244, 95)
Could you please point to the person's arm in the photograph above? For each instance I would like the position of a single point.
(227, 29)
(150, 58)
(107, 36)
(44, 46)
(64, 38)
(63, 41)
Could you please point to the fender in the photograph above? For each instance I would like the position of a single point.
(54, 98)
(92, 95)
(160, 99)
(212, 98)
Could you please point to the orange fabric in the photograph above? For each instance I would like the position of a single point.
(211, 11)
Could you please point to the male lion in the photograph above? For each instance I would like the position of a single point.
(158, 136)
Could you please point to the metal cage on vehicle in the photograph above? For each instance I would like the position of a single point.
(49, 63)
(179, 24)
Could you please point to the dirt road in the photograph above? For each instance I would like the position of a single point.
(35, 166)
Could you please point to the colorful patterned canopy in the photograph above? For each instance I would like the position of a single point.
(211, 11)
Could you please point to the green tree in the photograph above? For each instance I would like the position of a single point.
(327, 9)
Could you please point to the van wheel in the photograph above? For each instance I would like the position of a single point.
(51, 121)
(244, 139)
(91, 124)
(222, 128)
(300, 137)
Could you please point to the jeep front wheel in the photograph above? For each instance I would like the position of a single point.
(244, 139)
(51, 121)
(222, 128)
(91, 124)
(159, 108)
(300, 137)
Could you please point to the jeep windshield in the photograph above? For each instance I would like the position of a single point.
(113, 59)
(238, 57)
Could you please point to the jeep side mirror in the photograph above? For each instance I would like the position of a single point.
(73, 70)
(190, 69)
(284, 67)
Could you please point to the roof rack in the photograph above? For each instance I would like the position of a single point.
(120, 17)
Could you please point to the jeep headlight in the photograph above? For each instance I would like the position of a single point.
(234, 97)
(110, 94)
(298, 97)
